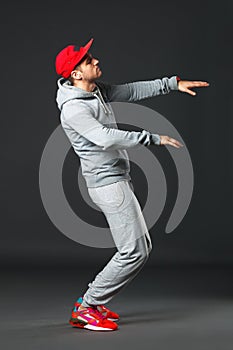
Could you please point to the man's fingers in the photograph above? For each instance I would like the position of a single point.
(174, 143)
(194, 84)
(190, 92)
(199, 83)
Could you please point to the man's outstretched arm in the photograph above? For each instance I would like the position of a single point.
(139, 90)
(84, 123)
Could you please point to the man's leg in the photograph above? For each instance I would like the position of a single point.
(124, 216)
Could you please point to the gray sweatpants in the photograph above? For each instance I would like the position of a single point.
(131, 237)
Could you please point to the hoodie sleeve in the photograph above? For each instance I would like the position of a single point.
(83, 122)
(140, 90)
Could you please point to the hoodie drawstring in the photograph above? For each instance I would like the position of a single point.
(99, 97)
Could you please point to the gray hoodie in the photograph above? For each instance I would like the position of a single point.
(89, 122)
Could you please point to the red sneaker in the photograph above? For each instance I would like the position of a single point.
(91, 319)
(110, 315)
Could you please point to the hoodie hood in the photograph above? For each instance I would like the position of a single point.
(66, 92)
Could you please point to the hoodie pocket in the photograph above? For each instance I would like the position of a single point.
(111, 195)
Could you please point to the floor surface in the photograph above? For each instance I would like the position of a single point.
(163, 308)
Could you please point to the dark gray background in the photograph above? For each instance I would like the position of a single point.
(133, 41)
(183, 297)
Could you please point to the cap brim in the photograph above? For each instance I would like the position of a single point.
(88, 45)
(85, 49)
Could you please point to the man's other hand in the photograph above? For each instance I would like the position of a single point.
(166, 140)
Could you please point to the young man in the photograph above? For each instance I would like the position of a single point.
(88, 120)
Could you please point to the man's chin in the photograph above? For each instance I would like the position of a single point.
(100, 73)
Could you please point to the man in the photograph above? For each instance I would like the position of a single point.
(88, 120)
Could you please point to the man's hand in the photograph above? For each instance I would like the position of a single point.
(185, 86)
(166, 140)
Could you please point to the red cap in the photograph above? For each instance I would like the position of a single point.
(69, 57)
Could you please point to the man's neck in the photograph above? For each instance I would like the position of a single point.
(87, 86)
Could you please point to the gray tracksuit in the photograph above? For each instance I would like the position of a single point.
(88, 121)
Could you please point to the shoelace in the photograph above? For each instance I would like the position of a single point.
(97, 313)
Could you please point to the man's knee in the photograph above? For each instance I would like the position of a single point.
(137, 251)
(150, 247)
(141, 256)
(144, 253)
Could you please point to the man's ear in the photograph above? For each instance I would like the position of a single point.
(76, 74)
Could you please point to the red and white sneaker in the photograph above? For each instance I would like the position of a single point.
(110, 315)
(92, 319)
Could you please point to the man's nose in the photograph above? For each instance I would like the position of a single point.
(96, 61)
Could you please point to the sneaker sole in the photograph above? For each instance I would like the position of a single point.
(113, 319)
(90, 327)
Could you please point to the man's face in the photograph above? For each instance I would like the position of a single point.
(89, 68)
